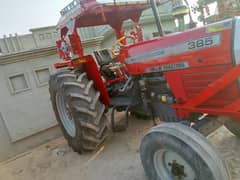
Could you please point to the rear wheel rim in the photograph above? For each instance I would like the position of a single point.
(65, 115)
(171, 166)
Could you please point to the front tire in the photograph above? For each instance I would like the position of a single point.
(174, 151)
(78, 110)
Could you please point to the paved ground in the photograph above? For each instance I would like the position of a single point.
(117, 160)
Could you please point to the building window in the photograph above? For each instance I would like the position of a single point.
(49, 36)
(41, 37)
(18, 83)
(42, 76)
(55, 34)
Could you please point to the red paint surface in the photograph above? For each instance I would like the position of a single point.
(209, 85)
(93, 74)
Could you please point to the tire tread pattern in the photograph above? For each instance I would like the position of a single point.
(87, 110)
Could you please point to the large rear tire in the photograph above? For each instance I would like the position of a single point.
(174, 151)
(233, 126)
(78, 110)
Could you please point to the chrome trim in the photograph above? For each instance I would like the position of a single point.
(236, 41)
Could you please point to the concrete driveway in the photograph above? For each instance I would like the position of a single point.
(118, 159)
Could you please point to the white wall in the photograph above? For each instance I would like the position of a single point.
(24, 114)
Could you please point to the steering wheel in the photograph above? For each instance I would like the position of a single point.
(116, 47)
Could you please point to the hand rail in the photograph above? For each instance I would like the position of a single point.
(75, 4)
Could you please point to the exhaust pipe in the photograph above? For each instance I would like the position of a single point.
(157, 17)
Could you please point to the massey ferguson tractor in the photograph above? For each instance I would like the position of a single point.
(189, 80)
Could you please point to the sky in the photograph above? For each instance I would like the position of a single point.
(18, 16)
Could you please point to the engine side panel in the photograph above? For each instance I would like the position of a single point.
(190, 61)
(196, 48)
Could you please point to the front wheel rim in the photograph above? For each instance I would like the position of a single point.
(65, 115)
(171, 166)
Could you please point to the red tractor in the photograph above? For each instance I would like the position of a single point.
(190, 80)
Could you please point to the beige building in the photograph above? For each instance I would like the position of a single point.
(26, 61)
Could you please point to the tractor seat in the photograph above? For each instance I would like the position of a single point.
(103, 56)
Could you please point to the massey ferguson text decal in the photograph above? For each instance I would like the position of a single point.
(168, 67)
(188, 46)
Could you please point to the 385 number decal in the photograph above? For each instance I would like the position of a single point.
(200, 43)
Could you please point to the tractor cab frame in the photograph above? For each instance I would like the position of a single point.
(87, 13)
(92, 13)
